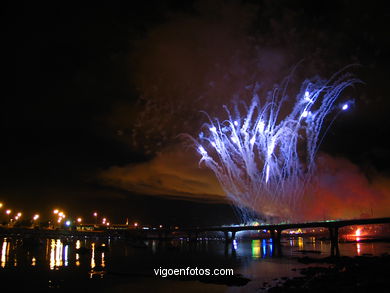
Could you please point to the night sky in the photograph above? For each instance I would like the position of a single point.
(100, 93)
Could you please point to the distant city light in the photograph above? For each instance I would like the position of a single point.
(8, 212)
(1, 204)
(36, 217)
(19, 214)
(55, 211)
(67, 223)
(345, 107)
(135, 224)
(95, 214)
(79, 220)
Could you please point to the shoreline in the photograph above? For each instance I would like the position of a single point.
(338, 274)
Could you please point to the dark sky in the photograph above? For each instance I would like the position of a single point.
(80, 76)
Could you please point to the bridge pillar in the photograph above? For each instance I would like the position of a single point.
(334, 241)
(229, 236)
(276, 236)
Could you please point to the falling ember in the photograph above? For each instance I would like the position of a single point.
(254, 152)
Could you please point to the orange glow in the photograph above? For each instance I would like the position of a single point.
(358, 232)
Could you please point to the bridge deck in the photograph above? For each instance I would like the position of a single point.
(286, 226)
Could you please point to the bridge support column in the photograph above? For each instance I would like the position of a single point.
(276, 236)
(334, 241)
(229, 236)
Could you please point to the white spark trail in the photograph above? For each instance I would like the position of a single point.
(256, 154)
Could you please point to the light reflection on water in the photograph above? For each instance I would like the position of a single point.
(91, 258)
(4, 252)
(53, 253)
(95, 255)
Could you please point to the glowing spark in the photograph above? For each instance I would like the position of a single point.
(305, 114)
(261, 126)
(253, 140)
(260, 166)
(202, 151)
(213, 129)
(307, 97)
(267, 174)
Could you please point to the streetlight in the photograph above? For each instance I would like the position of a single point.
(8, 212)
(79, 220)
(1, 205)
(55, 211)
(35, 218)
(19, 214)
(135, 224)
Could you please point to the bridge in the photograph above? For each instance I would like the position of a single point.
(276, 229)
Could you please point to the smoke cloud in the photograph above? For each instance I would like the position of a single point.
(173, 173)
(341, 190)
